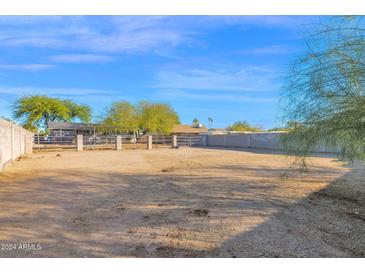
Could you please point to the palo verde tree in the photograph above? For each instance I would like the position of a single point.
(325, 92)
(35, 111)
(157, 117)
(121, 117)
(77, 111)
(145, 116)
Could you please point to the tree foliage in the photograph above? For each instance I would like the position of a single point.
(243, 126)
(196, 122)
(121, 117)
(35, 111)
(82, 112)
(290, 126)
(145, 116)
(158, 117)
(325, 93)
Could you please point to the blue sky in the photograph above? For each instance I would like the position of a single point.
(226, 67)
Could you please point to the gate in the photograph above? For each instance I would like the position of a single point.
(161, 140)
(190, 140)
(100, 142)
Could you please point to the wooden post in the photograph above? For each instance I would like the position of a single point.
(80, 142)
(149, 142)
(174, 141)
(119, 142)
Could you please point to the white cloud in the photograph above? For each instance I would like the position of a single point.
(274, 49)
(124, 33)
(248, 78)
(29, 67)
(81, 58)
(201, 96)
(63, 92)
(99, 34)
(286, 22)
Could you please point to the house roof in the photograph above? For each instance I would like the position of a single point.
(67, 125)
(188, 129)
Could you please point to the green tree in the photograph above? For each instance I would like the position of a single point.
(290, 126)
(35, 111)
(196, 122)
(6, 119)
(325, 92)
(121, 117)
(157, 117)
(243, 126)
(82, 112)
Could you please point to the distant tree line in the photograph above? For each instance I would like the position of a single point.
(145, 116)
(35, 111)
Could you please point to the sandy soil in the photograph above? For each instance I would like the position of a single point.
(187, 202)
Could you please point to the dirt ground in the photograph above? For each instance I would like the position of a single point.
(187, 202)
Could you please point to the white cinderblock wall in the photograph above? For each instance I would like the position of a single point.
(14, 141)
(260, 140)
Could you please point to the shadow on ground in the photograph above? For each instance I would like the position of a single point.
(87, 213)
(327, 223)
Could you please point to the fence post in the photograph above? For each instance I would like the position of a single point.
(80, 142)
(149, 142)
(119, 142)
(174, 141)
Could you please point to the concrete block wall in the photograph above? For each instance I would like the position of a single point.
(261, 140)
(14, 141)
(237, 140)
(266, 140)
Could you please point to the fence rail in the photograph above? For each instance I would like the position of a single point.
(129, 141)
(190, 140)
(162, 140)
(54, 142)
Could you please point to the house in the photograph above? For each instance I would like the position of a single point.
(188, 130)
(62, 129)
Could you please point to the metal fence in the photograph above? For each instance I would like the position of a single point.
(94, 142)
(129, 141)
(190, 140)
(161, 140)
(99, 142)
(54, 142)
